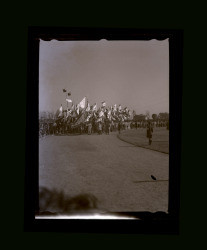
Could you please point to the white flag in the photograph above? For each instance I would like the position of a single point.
(69, 111)
(103, 104)
(77, 109)
(88, 107)
(94, 108)
(61, 108)
(60, 111)
(69, 100)
(82, 104)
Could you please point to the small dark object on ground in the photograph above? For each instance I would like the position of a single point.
(153, 177)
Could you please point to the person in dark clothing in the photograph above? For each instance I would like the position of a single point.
(89, 128)
(81, 128)
(149, 132)
(54, 126)
(107, 127)
(119, 127)
(136, 125)
(103, 128)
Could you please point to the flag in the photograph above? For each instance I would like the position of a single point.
(114, 107)
(103, 104)
(119, 107)
(94, 107)
(64, 90)
(81, 116)
(60, 111)
(77, 109)
(68, 100)
(73, 107)
(88, 107)
(82, 104)
(68, 113)
(61, 108)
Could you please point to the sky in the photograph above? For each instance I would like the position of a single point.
(134, 74)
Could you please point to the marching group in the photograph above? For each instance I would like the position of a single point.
(58, 128)
(55, 128)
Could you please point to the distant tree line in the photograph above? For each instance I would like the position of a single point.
(155, 117)
(44, 115)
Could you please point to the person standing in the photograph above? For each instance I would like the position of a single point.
(107, 127)
(99, 128)
(149, 132)
(103, 128)
(81, 128)
(89, 128)
(119, 127)
(54, 128)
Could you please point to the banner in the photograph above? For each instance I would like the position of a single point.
(69, 100)
(82, 104)
(94, 107)
(88, 108)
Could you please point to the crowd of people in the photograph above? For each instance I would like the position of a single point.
(54, 128)
(60, 128)
(89, 119)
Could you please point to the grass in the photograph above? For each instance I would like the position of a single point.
(137, 137)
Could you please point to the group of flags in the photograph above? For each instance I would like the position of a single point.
(68, 94)
(84, 112)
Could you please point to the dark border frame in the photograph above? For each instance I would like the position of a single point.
(148, 223)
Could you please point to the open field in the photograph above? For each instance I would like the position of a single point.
(101, 173)
(137, 137)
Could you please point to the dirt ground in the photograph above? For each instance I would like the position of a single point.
(100, 173)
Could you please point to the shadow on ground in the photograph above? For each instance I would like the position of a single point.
(56, 202)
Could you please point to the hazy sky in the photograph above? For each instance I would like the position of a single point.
(134, 74)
